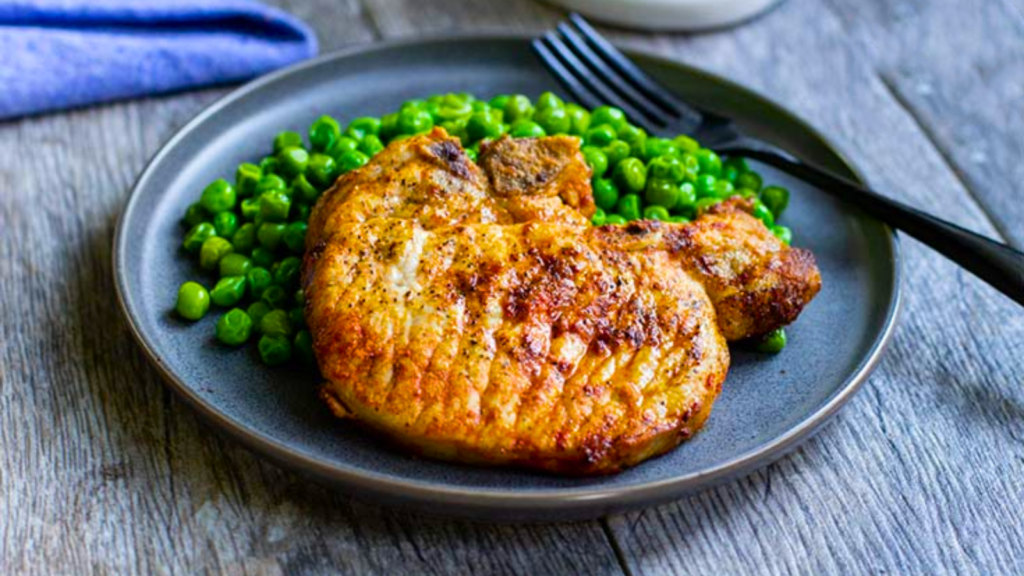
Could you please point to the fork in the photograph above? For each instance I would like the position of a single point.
(596, 73)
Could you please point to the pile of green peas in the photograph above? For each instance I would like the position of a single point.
(250, 233)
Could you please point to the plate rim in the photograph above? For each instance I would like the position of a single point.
(420, 494)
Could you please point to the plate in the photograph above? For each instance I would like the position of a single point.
(769, 404)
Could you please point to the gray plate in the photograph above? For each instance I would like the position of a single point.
(768, 405)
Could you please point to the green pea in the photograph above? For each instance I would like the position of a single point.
(782, 233)
(630, 175)
(365, 125)
(655, 147)
(745, 193)
(691, 165)
(724, 189)
(303, 347)
(276, 323)
(703, 204)
(763, 213)
(662, 192)
(388, 126)
(274, 206)
(686, 144)
(270, 234)
(271, 183)
(275, 296)
(414, 121)
(258, 280)
(235, 265)
(286, 139)
(256, 311)
(218, 196)
(295, 236)
(772, 343)
(344, 144)
(293, 161)
(452, 108)
(554, 120)
(244, 239)
(351, 161)
(737, 163)
(483, 125)
(323, 133)
(300, 213)
(212, 251)
(579, 119)
(776, 198)
(275, 350)
(526, 129)
(597, 160)
(635, 136)
(678, 220)
(606, 193)
(193, 301)
(750, 181)
(472, 154)
(598, 219)
(303, 191)
(628, 207)
(498, 101)
(710, 163)
(659, 213)
(250, 208)
(687, 195)
(516, 107)
(287, 273)
(321, 170)
(297, 318)
(228, 291)
(608, 115)
(225, 224)
(262, 257)
(688, 212)
(730, 174)
(616, 220)
(234, 327)
(299, 297)
(268, 165)
(194, 215)
(599, 135)
(370, 145)
(199, 234)
(667, 168)
(548, 100)
(616, 151)
(246, 177)
(705, 186)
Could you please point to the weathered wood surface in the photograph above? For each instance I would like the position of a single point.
(102, 470)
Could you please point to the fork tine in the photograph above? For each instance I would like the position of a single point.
(646, 106)
(578, 91)
(583, 76)
(640, 80)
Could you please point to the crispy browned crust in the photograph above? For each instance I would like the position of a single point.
(474, 315)
(533, 344)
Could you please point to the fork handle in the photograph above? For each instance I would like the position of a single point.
(997, 264)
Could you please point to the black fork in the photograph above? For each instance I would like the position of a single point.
(594, 72)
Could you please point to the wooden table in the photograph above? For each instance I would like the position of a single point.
(102, 470)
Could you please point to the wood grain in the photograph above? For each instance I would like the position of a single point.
(103, 471)
(958, 67)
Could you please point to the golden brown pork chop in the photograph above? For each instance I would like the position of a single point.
(515, 333)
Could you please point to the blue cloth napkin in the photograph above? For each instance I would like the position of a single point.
(58, 54)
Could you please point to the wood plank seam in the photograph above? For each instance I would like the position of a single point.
(954, 167)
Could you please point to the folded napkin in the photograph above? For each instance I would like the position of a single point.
(61, 53)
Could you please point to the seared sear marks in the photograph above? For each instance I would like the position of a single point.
(473, 314)
(531, 344)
